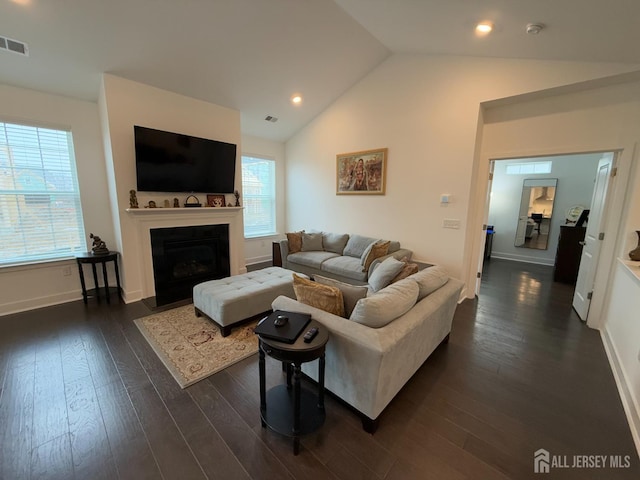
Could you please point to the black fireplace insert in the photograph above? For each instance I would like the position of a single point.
(185, 256)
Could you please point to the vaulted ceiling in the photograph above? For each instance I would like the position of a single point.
(253, 55)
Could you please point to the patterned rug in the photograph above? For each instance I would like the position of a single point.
(191, 347)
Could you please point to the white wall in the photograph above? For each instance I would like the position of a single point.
(621, 339)
(425, 110)
(123, 104)
(575, 175)
(259, 249)
(33, 286)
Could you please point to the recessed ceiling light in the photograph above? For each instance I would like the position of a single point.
(483, 28)
(296, 99)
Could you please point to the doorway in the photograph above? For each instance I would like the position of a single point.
(533, 207)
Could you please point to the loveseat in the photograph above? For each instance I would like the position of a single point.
(365, 366)
(348, 258)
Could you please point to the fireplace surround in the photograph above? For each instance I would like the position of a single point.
(137, 255)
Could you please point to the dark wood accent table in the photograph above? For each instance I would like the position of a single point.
(276, 254)
(91, 258)
(290, 409)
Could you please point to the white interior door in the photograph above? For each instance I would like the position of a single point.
(591, 249)
(483, 238)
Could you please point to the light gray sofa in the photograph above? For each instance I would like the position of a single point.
(339, 256)
(366, 367)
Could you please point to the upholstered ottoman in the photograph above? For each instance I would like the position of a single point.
(231, 300)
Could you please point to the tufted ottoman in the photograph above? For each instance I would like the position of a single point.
(230, 300)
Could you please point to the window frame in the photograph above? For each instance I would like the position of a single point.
(248, 196)
(70, 194)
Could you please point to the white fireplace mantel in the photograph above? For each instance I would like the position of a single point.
(147, 219)
(182, 211)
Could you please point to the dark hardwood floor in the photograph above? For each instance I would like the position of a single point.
(84, 396)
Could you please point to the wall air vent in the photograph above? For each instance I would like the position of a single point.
(271, 119)
(14, 46)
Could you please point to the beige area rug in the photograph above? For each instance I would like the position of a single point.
(191, 347)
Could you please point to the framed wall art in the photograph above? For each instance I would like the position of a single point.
(216, 201)
(361, 173)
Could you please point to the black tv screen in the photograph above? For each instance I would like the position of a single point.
(172, 162)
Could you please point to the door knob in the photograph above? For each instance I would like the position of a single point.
(582, 243)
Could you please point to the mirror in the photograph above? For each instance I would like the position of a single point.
(536, 208)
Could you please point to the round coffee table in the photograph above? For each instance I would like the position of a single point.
(290, 409)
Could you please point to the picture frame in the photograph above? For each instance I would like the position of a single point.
(362, 173)
(216, 201)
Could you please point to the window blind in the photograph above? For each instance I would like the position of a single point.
(40, 212)
(259, 187)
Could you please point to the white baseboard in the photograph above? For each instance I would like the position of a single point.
(631, 407)
(39, 302)
(261, 259)
(130, 297)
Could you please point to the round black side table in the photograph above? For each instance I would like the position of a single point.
(289, 409)
(91, 258)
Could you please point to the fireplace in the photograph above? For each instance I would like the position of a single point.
(185, 256)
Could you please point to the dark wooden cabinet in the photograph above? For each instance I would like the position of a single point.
(568, 254)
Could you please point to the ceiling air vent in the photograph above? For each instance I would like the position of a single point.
(14, 46)
(271, 119)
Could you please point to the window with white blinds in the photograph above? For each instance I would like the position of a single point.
(40, 214)
(259, 191)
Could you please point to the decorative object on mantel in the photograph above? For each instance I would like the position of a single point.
(216, 201)
(176, 203)
(99, 247)
(192, 201)
(166, 204)
(635, 253)
(237, 195)
(151, 204)
(133, 200)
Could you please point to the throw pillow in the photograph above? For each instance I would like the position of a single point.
(319, 296)
(334, 242)
(311, 242)
(430, 279)
(356, 245)
(375, 250)
(407, 269)
(381, 308)
(350, 293)
(384, 273)
(295, 241)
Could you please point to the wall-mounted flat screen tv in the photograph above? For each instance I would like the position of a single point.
(172, 162)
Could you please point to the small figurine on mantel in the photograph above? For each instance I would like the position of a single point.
(133, 200)
(176, 203)
(99, 247)
(237, 195)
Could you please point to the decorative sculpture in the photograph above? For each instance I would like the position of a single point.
(237, 195)
(133, 201)
(176, 203)
(99, 247)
